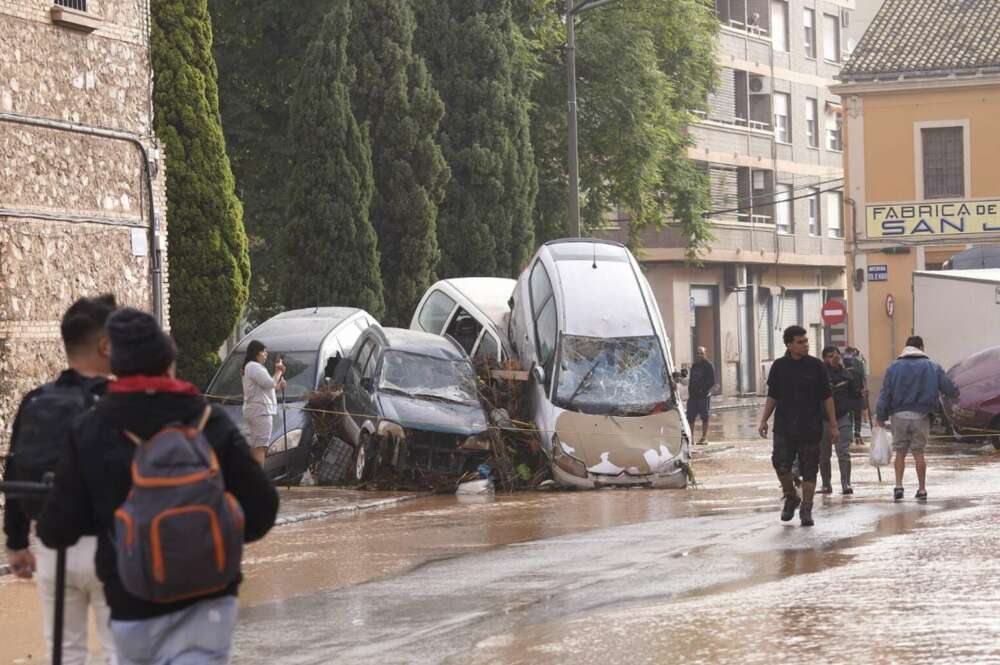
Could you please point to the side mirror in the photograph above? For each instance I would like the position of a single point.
(538, 374)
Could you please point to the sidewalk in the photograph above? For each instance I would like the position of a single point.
(729, 403)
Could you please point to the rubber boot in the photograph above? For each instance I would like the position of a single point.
(791, 496)
(845, 476)
(806, 514)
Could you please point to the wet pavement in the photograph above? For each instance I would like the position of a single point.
(699, 576)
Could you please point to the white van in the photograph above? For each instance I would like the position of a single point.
(473, 310)
(603, 387)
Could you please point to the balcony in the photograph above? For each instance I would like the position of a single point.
(742, 100)
(750, 16)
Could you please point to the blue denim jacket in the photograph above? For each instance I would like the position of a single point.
(912, 383)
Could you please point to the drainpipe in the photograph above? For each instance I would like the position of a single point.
(854, 259)
(155, 251)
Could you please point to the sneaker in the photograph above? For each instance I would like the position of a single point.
(897, 494)
(703, 442)
(848, 490)
(921, 495)
(791, 503)
(806, 515)
(825, 489)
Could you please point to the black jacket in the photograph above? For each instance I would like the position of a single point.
(16, 523)
(846, 387)
(702, 380)
(93, 478)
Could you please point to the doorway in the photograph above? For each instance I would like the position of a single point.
(705, 330)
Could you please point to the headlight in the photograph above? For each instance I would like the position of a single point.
(565, 461)
(387, 428)
(285, 442)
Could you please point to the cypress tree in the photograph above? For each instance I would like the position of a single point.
(401, 111)
(209, 262)
(330, 246)
(478, 62)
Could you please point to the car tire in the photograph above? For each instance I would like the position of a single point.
(365, 457)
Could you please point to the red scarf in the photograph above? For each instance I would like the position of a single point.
(152, 384)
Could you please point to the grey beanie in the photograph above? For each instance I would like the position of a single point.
(138, 344)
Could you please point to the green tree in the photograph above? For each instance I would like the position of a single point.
(643, 67)
(480, 64)
(209, 262)
(259, 47)
(329, 243)
(394, 99)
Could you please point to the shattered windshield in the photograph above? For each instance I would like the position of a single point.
(300, 373)
(625, 376)
(428, 378)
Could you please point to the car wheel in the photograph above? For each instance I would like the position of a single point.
(364, 458)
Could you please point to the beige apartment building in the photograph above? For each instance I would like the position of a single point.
(82, 196)
(772, 145)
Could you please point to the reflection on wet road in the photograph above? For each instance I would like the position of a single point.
(705, 575)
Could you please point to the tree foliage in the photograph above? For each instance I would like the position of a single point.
(329, 244)
(643, 67)
(209, 262)
(480, 64)
(394, 99)
(260, 46)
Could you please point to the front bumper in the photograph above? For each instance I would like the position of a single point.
(675, 478)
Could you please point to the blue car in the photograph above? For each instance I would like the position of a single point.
(413, 402)
(311, 342)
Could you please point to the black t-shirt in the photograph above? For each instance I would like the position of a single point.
(800, 387)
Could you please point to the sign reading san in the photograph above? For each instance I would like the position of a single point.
(941, 218)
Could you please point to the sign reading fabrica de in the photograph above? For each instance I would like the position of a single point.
(927, 220)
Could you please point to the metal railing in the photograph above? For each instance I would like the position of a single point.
(79, 5)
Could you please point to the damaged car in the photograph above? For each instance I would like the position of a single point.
(412, 403)
(311, 342)
(975, 413)
(603, 387)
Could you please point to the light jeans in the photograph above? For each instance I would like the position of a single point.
(198, 635)
(83, 591)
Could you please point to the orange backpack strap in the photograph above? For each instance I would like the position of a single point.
(204, 418)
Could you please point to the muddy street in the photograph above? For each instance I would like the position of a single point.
(698, 576)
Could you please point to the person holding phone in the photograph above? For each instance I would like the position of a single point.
(260, 403)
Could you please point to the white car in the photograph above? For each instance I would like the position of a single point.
(472, 310)
(603, 386)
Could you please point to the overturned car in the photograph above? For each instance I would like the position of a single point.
(411, 404)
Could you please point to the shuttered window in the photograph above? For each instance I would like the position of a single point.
(944, 162)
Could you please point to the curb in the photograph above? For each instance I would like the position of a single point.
(314, 515)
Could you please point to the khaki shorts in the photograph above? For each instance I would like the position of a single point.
(910, 434)
(258, 430)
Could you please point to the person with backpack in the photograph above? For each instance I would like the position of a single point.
(169, 485)
(40, 432)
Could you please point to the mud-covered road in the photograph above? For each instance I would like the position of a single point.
(705, 575)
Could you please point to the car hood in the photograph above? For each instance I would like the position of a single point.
(293, 416)
(612, 444)
(432, 415)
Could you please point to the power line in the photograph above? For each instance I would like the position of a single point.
(795, 198)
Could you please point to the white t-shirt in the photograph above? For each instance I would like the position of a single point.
(258, 391)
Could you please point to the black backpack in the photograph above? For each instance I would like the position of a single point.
(43, 428)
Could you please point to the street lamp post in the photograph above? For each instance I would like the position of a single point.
(572, 10)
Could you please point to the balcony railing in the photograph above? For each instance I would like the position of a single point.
(79, 5)
(735, 121)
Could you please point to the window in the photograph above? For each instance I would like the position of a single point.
(944, 162)
(543, 306)
(435, 312)
(783, 209)
(488, 349)
(541, 288)
(809, 24)
(779, 25)
(814, 212)
(834, 215)
(834, 130)
(464, 329)
(812, 128)
(80, 5)
(831, 37)
(782, 127)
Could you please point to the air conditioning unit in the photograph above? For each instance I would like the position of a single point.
(845, 18)
(736, 276)
(760, 85)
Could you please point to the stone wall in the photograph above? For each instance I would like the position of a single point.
(70, 203)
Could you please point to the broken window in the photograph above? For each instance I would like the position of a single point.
(464, 329)
(435, 312)
(425, 377)
(625, 376)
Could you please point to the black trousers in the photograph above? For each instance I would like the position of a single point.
(787, 448)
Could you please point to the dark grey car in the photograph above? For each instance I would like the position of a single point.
(310, 341)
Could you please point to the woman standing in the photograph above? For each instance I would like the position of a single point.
(259, 400)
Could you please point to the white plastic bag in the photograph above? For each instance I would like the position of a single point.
(881, 453)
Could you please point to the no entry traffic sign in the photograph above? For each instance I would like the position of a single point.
(834, 313)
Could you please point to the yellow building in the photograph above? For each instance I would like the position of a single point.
(921, 95)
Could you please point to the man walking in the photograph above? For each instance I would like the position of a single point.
(95, 477)
(846, 388)
(799, 396)
(40, 433)
(700, 393)
(855, 360)
(909, 393)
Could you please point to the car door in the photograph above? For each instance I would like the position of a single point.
(352, 387)
(367, 407)
(435, 313)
